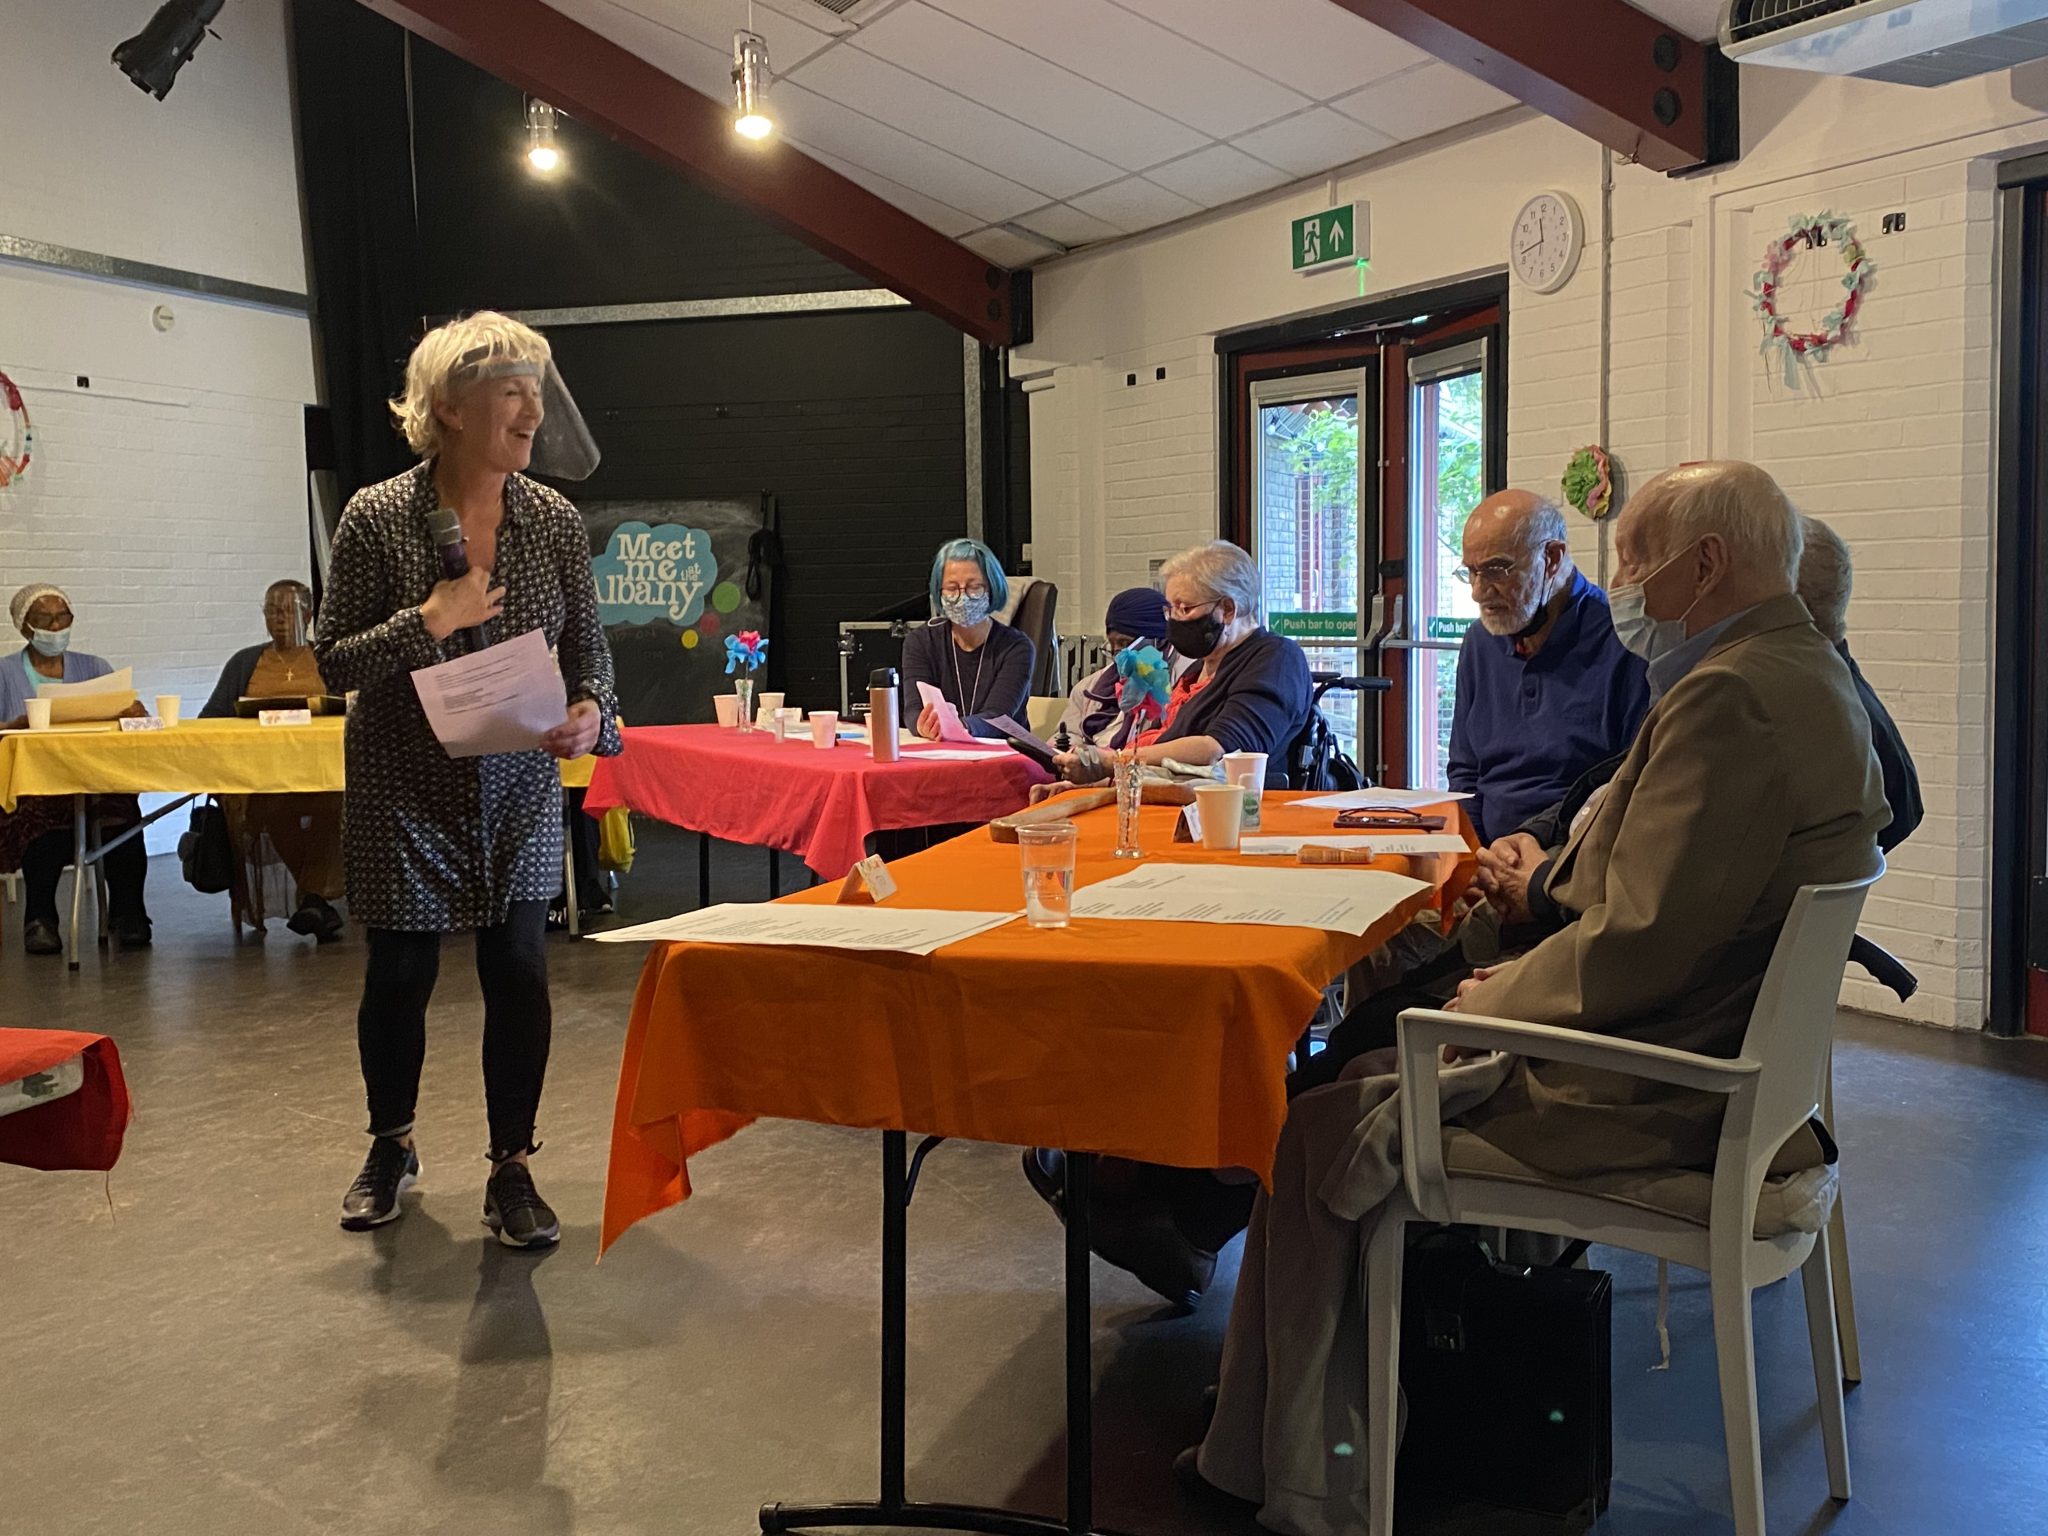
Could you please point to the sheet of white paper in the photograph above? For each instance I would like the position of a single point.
(99, 698)
(1009, 726)
(1387, 799)
(501, 699)
(953, 755)
(950, 728)
(901, 930)
(1344, 900)
(1378, 842)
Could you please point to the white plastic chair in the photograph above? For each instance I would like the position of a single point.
(1772, 1088)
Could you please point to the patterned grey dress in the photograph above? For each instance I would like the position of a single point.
(434, 843)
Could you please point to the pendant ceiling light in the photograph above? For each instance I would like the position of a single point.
(541, 152)
(750, 117)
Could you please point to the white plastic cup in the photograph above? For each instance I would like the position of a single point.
(824, 729)
(1248, 771)
(38, 714)
(1222, 811)
(167, 706)
(770, 705)
(728, 707)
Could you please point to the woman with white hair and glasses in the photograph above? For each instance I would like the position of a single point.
(1250, 692)
(436, 844)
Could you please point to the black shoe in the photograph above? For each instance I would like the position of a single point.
(39, 936)
(1188, 1473)
(1139, 1237)
(132, 932)
(388, 1172)
(1046, 1171)
(317, 919)
(515, 1211)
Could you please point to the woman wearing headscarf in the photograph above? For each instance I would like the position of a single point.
(304, 830)
(981, 665)
(1095, 715)
(36, 836)
(436, 844)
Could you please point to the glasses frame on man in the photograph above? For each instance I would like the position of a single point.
(1494, 572)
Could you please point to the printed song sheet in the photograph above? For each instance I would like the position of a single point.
(950, 726)
(1345, 901)
(500, 699)
(98, 698)
(901, 930)
(1383, 799)
(1376, 842)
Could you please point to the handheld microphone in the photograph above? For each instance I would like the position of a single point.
(446, 529)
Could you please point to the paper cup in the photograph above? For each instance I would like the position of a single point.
(167, 705)
(824, 729)
(1248, 771)
(728, 707)
(1222, 811)
(769, 704)
(38, 714)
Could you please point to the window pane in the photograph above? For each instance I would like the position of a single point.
(1308, 505)
(1449, 467)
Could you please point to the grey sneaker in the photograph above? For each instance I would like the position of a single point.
(515, 1211)
(388, 1172)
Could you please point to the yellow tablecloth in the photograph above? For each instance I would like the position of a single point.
(218, 757)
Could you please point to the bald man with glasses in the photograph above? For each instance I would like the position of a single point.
(1545, 690)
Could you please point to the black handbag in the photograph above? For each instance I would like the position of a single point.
(205, 853)
(1506, 1372)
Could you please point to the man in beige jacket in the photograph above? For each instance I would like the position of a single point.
(1751, 776)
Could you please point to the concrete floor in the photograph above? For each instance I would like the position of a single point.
(195, 1349)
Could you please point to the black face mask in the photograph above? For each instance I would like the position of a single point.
(1195, 637)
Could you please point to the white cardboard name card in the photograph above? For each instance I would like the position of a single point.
(285, 716)
(141, 723)
(867, 882)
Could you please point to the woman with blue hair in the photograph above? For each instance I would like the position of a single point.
(982, 666)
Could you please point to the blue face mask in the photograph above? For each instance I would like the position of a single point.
(50, 642)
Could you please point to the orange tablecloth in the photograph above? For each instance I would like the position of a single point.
(1160, 1041)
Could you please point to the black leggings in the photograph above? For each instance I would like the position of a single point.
(42, 865)
(391, 1025)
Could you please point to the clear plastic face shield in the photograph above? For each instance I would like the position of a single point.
(287, 614)
(563, 448)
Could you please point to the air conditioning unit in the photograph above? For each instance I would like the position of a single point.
(1908, 42)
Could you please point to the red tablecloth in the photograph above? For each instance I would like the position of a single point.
(749, 788)
(80, 1130)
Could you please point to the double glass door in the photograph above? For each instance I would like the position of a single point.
(1357, 482)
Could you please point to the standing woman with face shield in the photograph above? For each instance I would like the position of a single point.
(435, 844)
(36, 836)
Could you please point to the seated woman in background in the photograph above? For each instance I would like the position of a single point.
(1093, 715)
(305, 830)
(35, 837)
(982, 666)
(1250, 693)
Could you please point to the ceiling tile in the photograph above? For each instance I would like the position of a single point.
(1318, 48)
(966, 128)
(1423, 101)
(1092, 117)
(815, 119)
(943, 217)
(703, 68)
(1005, 248)
(1134, 204)
(1695, 18)
(1068, 225)
(712, 23)
(1313, 141)
(1216, 175)
(1127, 53)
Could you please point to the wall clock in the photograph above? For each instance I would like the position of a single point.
(1546, 240)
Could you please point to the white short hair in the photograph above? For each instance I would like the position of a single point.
(1219, 570)
(445, 351)
(1826, 578)
(1740, 503)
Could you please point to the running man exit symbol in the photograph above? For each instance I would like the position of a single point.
(1335, 237)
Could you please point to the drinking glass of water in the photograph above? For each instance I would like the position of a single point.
(1047, 853)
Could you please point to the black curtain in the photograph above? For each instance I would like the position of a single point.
(355, 144)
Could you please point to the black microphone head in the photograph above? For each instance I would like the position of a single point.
(445, 526)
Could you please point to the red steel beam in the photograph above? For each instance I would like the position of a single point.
(1617, 75)
(595, 81)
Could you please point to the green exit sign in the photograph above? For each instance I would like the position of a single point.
(1315, 626)
(1336, 237)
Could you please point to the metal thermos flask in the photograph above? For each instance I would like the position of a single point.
(885, 715)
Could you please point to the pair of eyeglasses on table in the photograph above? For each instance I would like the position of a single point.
(1388, 819)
